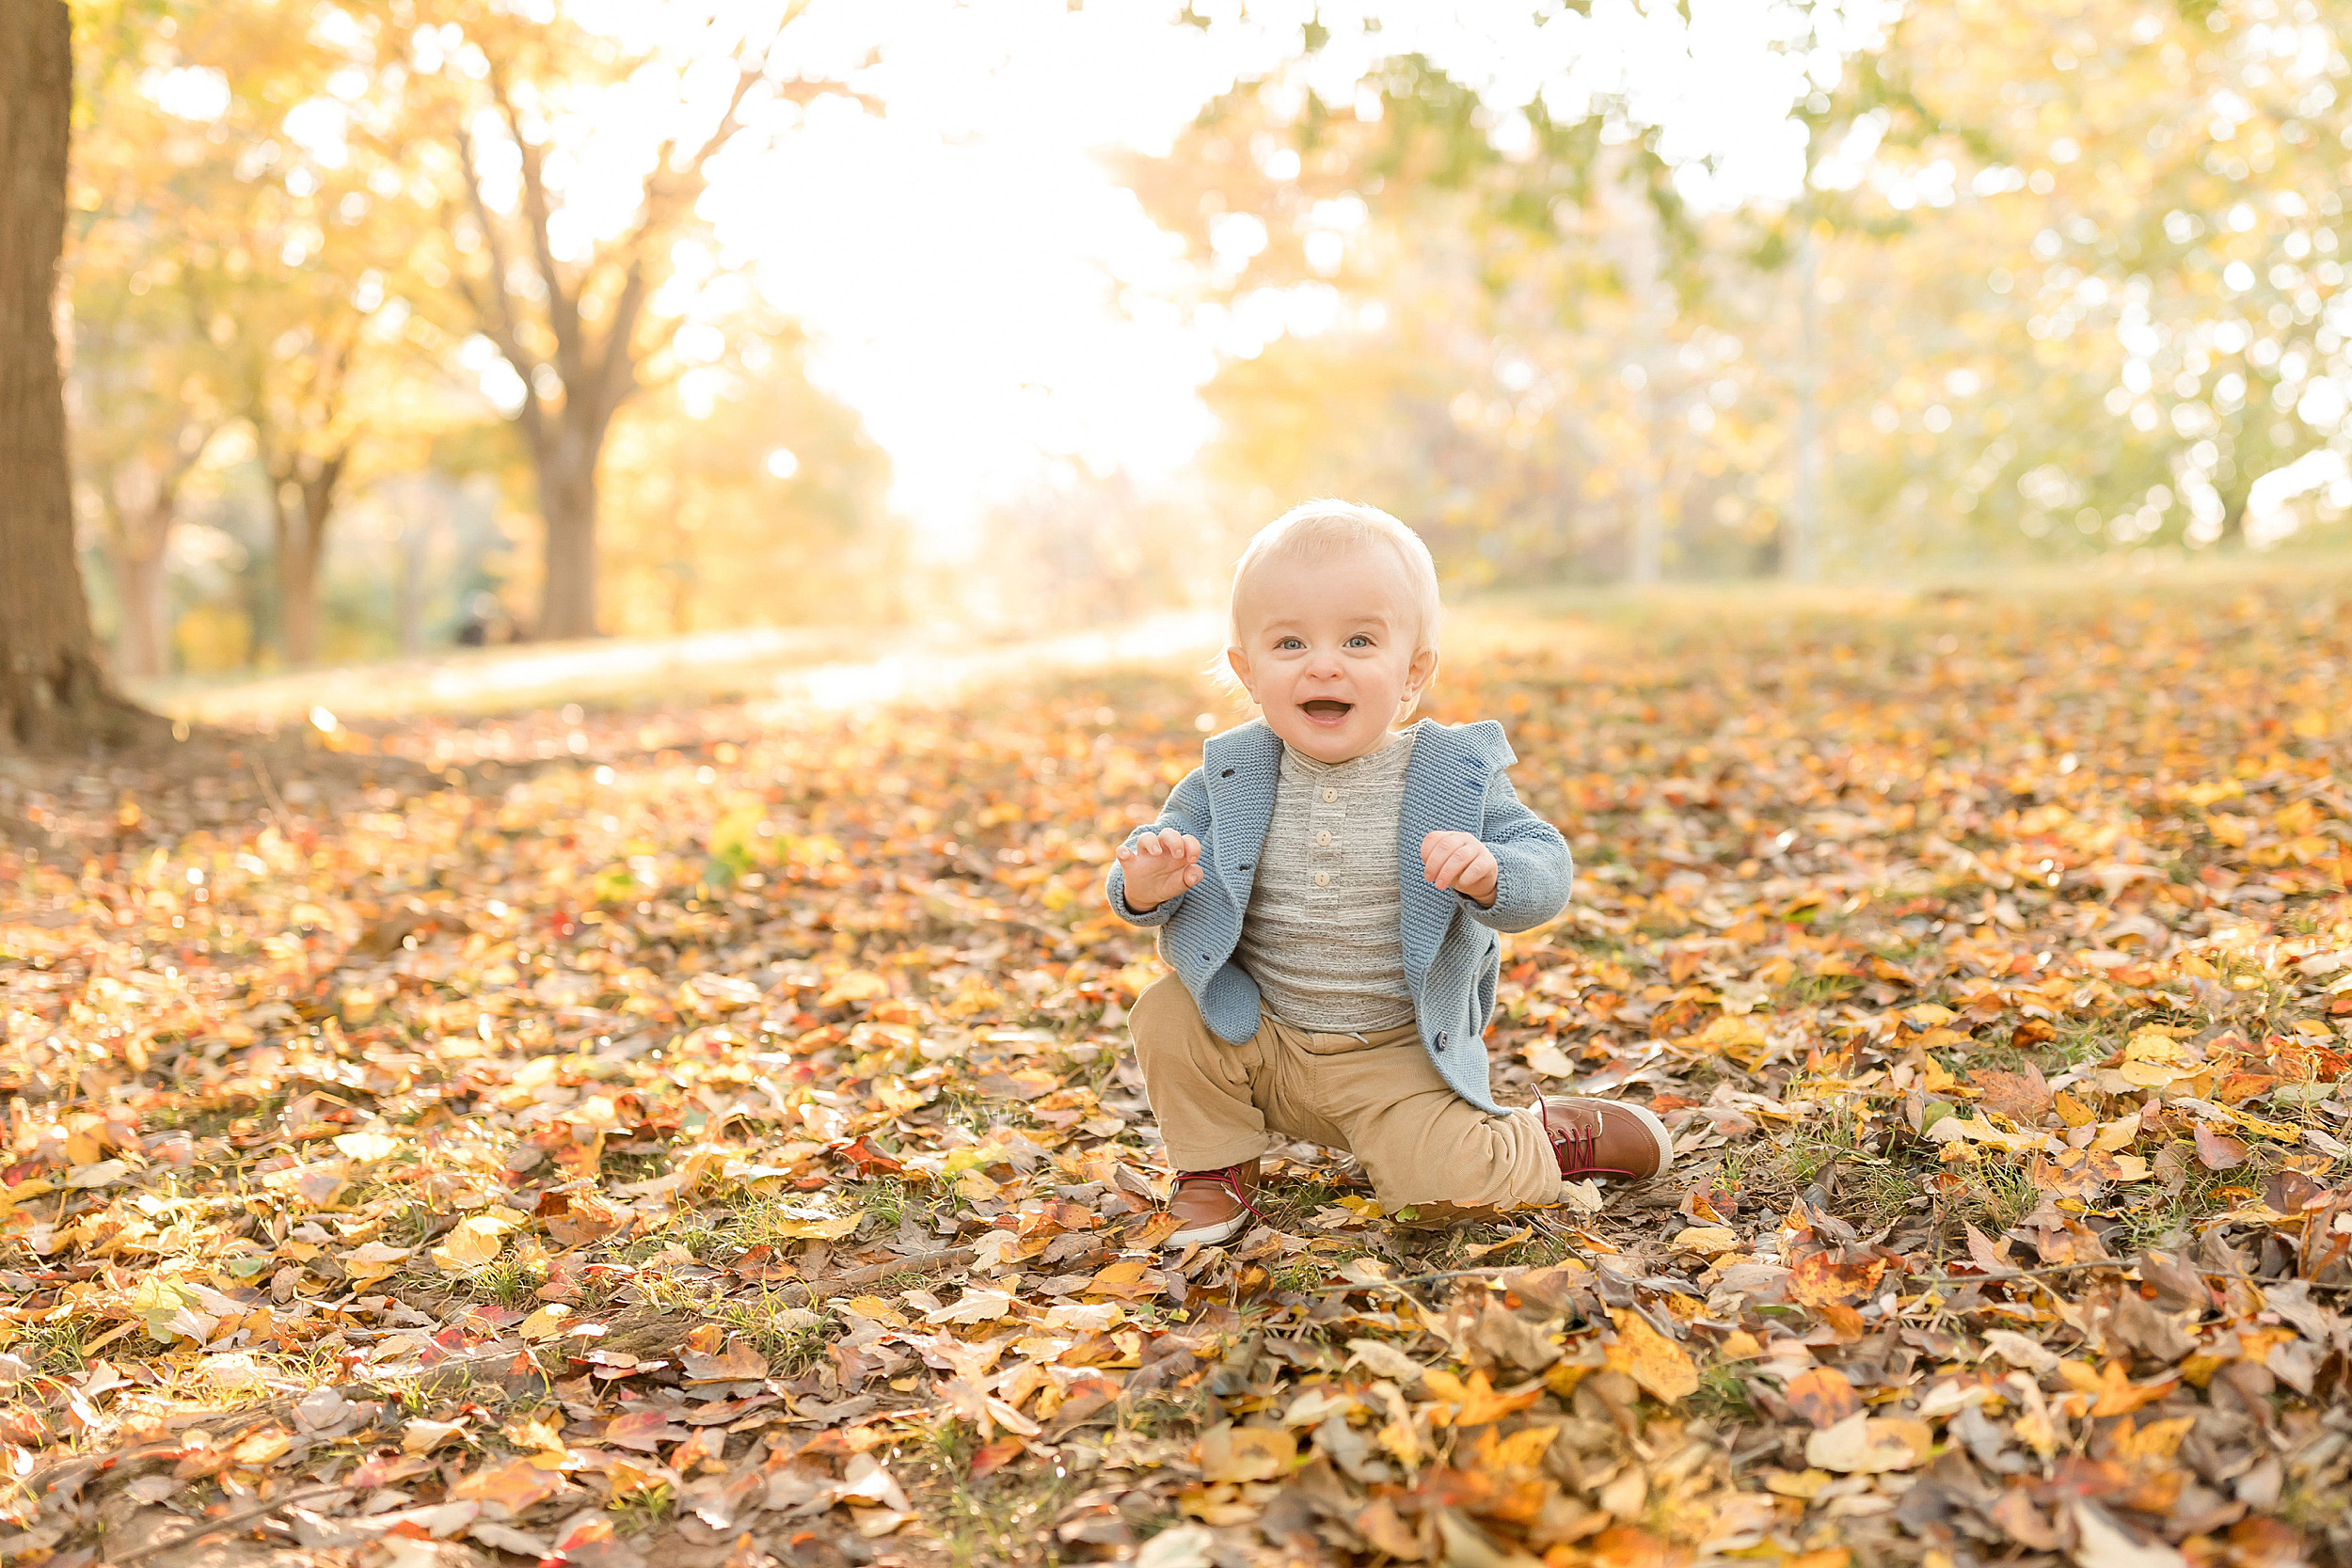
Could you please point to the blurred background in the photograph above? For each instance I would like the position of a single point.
(399, 327)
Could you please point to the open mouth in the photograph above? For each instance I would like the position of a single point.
(1328, 709)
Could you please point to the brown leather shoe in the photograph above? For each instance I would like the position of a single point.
(1213, 1206)
(1606, 1137)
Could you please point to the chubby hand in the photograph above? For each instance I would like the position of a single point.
(1460, 862)
(1157, 867)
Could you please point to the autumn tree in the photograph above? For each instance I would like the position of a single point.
(2176, 175)
(52, 687)
(755, 498)
(146, 404)
(560, 230)
(1506, 344)
(229, 272)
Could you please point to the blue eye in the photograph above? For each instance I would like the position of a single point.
(1359, 641)
(1289, 642)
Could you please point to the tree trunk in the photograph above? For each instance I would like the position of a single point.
(297, 595)
(301, 505)
(567, 498)
(143, 581)
(53, 691)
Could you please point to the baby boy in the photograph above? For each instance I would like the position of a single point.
(1328, 887)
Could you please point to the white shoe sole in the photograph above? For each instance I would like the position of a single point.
(1659, 1134)
(1209, 1235)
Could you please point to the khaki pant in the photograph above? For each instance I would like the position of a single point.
(1377, 1098)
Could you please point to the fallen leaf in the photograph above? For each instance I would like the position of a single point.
(1822, 1396)
(1230, 1454)
(2217, 1152)
(1649, 1358)
(472, 1242)
(1859, 1445)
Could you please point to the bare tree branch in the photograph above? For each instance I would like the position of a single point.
(499, 324)
(563, 307)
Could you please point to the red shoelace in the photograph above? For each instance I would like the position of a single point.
(1227, 1177)
(1577, 1147)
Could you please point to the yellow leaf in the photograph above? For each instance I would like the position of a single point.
(2154, 1443)
(1230, 1454)
(546, 1323)
(1522, 1451)
(475, 1240)
(1649, 1358)
(262, 1447)
(858, 984)
(1444, 1385)
(367, 1148)
(2119, 1134)
(977, 1187)
(372, 1261)
(1801, 1484)
(1124, 1278)
(1706, 1241)
(2152, 1058)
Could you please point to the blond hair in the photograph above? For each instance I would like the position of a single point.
(1326, 528)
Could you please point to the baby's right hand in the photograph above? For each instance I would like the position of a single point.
(1157, 867)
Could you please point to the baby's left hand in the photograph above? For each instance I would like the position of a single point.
(1460, 862)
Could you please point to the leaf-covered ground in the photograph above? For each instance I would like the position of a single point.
(705, 1134)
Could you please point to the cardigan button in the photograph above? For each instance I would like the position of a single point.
(1441, 1039)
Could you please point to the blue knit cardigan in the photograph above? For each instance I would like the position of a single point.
(1452, 958)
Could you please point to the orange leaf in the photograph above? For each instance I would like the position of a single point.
(1649, 1358)
(1823, 1396)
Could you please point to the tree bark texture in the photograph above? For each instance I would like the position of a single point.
(568, 499)
(53, 691)
(302, 502)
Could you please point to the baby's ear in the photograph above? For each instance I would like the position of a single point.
(1238, 662)
(1418, 675)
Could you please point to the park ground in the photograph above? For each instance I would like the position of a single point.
(676, 1111)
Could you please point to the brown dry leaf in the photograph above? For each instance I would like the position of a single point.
(513, 1487)
(739, 1362)
(1127, 1280)
(647, 1014)
(2024, 1097)
(1822, 1396)
(2217, 1151)
(1649, 1358)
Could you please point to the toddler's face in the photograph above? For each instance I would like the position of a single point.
(1326, 649)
